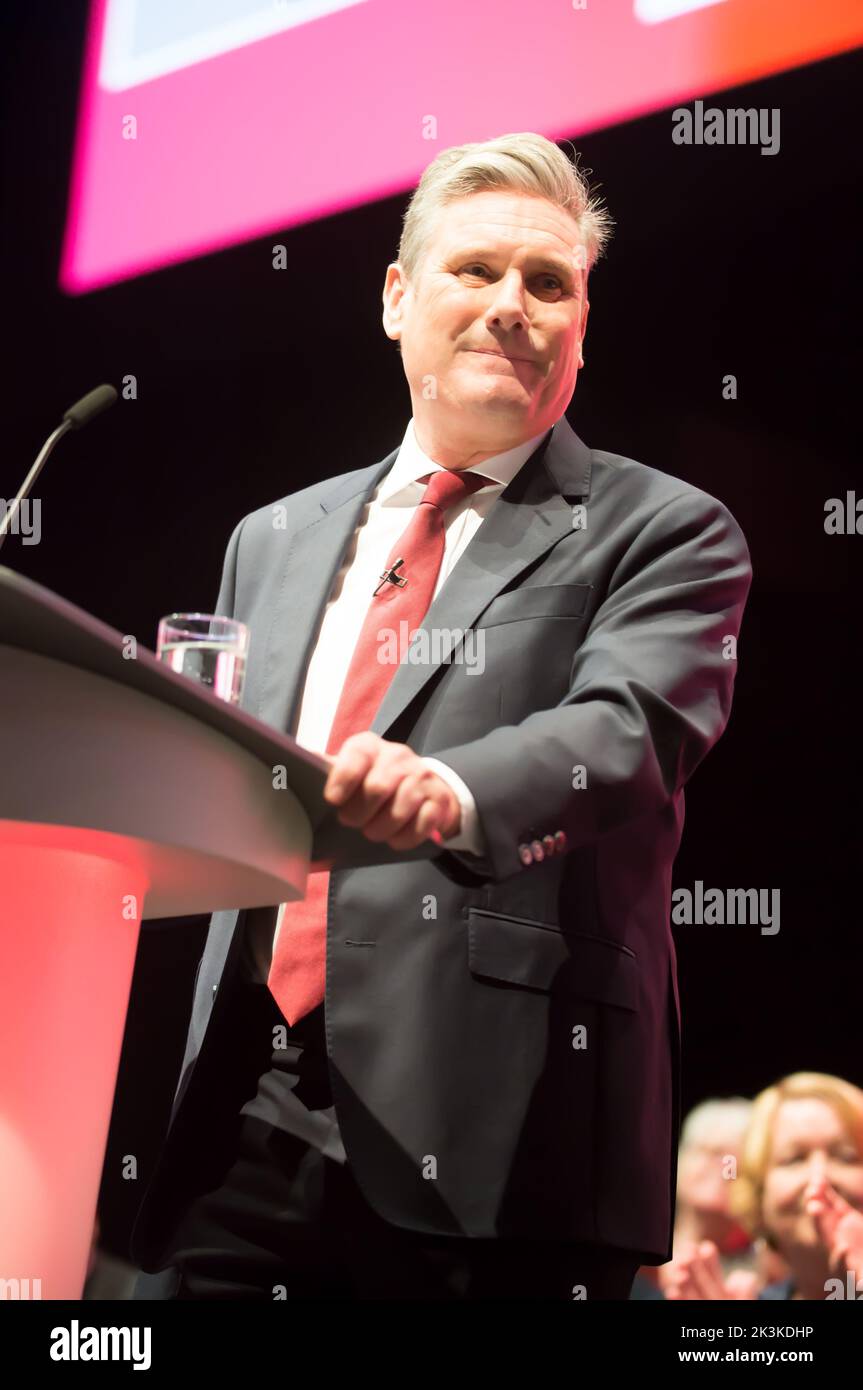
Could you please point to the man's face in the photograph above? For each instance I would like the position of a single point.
(492, 325)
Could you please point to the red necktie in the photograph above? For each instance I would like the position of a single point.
(297, 977)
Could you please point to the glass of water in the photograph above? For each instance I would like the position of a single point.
(207, 649)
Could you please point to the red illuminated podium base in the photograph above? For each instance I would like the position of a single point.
(64, 988)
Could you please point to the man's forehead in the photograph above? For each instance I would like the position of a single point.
(533, 225)
(489, 236)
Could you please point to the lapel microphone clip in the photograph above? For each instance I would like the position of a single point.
(390, 576)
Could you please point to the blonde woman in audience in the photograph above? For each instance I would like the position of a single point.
(799, 1189)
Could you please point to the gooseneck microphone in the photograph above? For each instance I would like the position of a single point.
(79, 414)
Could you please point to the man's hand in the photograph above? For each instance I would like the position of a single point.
(386, 790)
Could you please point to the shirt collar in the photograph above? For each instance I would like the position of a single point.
(411, 464)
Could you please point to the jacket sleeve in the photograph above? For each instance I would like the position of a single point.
(227, 589)
(649, 694)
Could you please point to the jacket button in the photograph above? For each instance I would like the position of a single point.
(215, 987)
(537, 851)
(560, 839)
(548, 844)
(525, 855)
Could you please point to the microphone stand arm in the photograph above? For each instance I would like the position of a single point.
(13, 509)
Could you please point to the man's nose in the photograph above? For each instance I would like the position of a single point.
(508, 309)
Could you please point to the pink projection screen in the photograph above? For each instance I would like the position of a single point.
(205, 124)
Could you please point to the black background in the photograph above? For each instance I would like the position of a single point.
(254, 383)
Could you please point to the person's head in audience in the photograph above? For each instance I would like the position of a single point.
(707, 1164)
(800, 1180)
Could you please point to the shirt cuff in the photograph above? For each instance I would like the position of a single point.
(470, 836)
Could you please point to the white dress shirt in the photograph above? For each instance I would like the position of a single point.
(383, 520)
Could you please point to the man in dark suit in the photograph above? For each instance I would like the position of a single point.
(455, 1075)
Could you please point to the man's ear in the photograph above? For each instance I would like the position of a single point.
(395, 286)
(582, 329)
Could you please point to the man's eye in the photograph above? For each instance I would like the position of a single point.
(479, 269)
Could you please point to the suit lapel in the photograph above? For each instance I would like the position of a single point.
(529, 517)
(315, 555)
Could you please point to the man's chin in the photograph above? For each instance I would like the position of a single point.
(512, 400)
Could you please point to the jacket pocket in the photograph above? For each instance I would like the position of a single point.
(540, 955)
(537, 601)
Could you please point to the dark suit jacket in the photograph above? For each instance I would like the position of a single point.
(503, 1032)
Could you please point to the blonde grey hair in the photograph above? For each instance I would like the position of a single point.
(704, 1119)
(525, 162)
